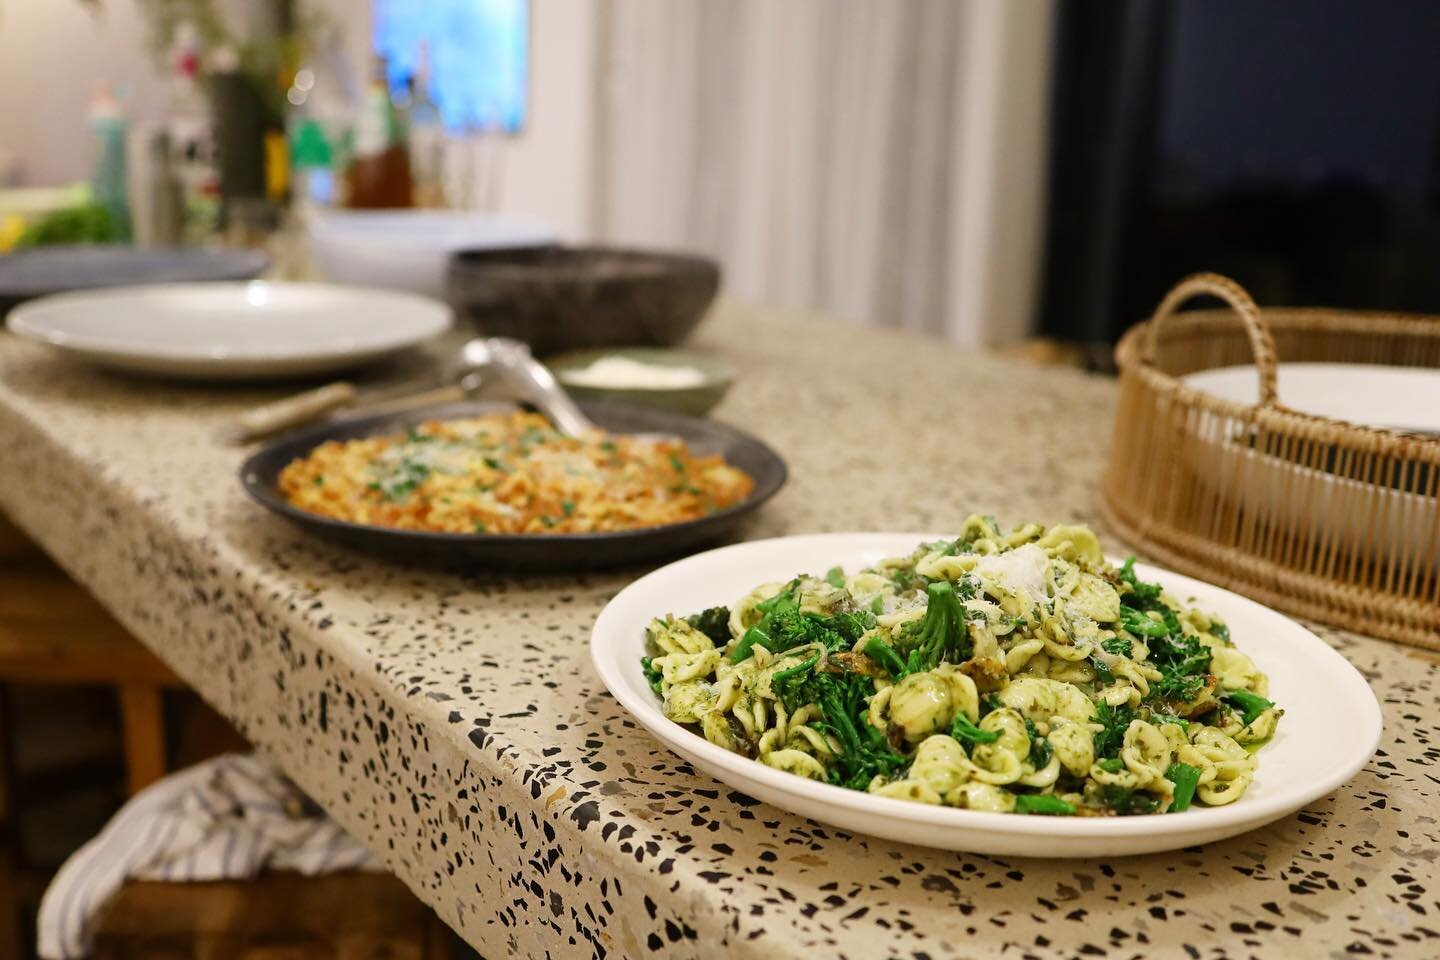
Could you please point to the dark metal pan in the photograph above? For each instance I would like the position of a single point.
(545, 552)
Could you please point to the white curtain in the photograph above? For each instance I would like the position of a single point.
(878, 159)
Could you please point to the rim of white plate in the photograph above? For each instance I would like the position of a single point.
(427, 318)
(643, 707)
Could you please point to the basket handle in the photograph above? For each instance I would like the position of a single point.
(1262, 345)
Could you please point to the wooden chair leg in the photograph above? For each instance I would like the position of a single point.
(11, 932)
(437, 940)
(142, 715)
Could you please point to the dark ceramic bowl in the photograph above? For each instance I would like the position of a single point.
(524, 551)
(568, 298)
(35, 273)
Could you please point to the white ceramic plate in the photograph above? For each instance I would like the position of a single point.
(220, 331)
(1392, 398)
(1330, 729)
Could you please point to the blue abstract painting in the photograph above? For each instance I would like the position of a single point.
(478, 55)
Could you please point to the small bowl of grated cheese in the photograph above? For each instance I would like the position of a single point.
(675, 380)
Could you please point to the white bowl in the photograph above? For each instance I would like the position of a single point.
(1330, 729)
(1314, 503)
(408, 249)
(1369, 394)
(221, 331)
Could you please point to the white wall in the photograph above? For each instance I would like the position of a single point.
(548, 169)
(53, 55)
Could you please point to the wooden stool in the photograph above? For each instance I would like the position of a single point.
(52, 632)
(276, 916)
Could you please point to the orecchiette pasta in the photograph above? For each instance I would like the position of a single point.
(1012, 672)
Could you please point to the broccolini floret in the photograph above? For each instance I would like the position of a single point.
(943, 634)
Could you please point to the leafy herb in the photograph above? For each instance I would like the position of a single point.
(1125, 801)
(1183, 661)
(1249, 705)
(1039, 747)
(1112, 765)
(907, 580)
(1040, 803)
(949, 548)
(1220, 632)
(714, 623)
(1140, 589)
(567, 507)
(87, 223)
(480, 526)
(1186, 778)
(835, 577)
(319, 479)
(677, 463)
(652, 673)
(1184, 665)
(1114, 721)
(1102, 671)
(1120, 646)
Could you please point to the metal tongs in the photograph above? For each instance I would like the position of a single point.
(493, 368)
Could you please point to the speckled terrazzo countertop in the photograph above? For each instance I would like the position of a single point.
(454, 723)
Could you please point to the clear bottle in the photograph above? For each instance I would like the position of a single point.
(427, 137)
(191, 133)
(165, 207)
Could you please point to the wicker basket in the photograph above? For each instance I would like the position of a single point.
(1321, 518)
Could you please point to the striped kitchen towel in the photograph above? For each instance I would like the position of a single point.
(225, 819)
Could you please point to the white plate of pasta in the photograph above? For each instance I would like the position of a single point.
(1006, 693)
